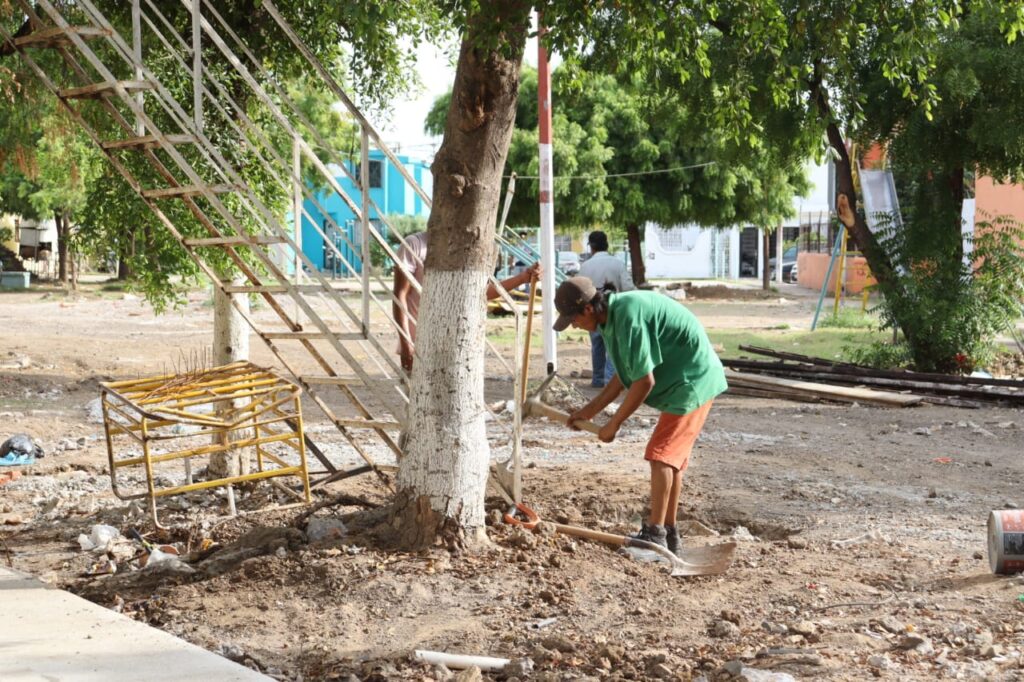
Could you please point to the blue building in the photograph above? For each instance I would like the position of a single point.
(388, 189)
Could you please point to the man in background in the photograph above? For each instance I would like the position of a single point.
(608, 274)
(413, 255)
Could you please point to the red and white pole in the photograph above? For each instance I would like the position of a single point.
(547, 207)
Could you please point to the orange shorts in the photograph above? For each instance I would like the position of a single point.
(674, 436)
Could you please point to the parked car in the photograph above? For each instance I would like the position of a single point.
(568, 262)
(788, 264)
(748, 266)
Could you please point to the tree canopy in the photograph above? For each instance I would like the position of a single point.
(624, 155)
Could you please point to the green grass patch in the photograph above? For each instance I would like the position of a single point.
(825, 343)
(114, 286)
(507, 337)
(849, 318)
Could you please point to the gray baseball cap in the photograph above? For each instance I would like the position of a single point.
(571, 298)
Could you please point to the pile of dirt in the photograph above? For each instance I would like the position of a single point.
(1007, 365)
(721, 292)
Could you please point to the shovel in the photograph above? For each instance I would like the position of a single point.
(694, 560)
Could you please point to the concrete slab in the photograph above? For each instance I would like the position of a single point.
(51, 635)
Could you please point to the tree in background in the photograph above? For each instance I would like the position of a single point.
(578, 150)
(639, 156)
(957, 308)
(793, 73)
(46, 171)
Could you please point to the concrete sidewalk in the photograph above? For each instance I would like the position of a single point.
(52, 635)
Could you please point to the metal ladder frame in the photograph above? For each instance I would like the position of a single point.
(275, 233)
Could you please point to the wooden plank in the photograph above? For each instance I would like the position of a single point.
(331, 381)
(147, 142)
(236, 240)
(274, 289)
(773, 394)
(58, 37)
(841, 393)
(816, 373)
(185, 191)
(341, 336)
(863, 370)
(104, 89)
(368, 424)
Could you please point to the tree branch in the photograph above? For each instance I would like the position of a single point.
(877, 258)
(7, 47)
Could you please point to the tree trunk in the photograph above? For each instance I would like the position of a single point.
(230, 344)
(62, 248)
(443, 475)
(636, 254)
(878, 260)
(766, 266)
(124, 271)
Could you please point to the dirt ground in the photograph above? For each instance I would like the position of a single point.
(861, 531)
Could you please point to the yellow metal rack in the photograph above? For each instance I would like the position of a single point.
(231, 408)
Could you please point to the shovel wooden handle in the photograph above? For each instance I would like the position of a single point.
(537, 408)
(529, 333)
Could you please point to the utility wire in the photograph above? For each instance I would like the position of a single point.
(615, 175)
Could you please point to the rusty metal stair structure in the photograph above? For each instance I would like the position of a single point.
(105, 83)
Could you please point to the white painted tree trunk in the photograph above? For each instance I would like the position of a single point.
(230, 344)
(443, 475)
(230, 330)
(447, 461)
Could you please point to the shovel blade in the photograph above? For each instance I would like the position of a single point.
(710, 560)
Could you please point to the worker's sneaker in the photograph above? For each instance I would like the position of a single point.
(672, 540)
(651, 533)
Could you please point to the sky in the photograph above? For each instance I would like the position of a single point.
(403, 130)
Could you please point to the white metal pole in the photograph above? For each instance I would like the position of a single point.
(547, 207)
(140, 129)
(297, 213)
(197, 64)
(364, 230)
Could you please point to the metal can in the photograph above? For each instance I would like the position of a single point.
(1006, 541)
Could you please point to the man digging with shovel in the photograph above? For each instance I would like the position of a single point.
(663, 358)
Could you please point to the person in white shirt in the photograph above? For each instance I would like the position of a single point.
(609, 273)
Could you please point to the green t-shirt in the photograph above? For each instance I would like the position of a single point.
(649, 332)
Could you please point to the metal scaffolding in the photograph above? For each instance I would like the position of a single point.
(200, 147)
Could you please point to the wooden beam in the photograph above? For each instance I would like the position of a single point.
(57, 37)
(147, 142)
(237, 240)
(104, 89)
(185, 191)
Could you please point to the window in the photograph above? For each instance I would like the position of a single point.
(678, 239)
(376, 173)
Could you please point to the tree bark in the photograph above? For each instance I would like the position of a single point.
(443, 475)
(878, 260)
(124, 271)
(230, 344)
(766, 266)
(62, 247)
(636, 254)
(7, 47)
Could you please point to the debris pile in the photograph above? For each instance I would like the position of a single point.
(19, 449)
(806, 378)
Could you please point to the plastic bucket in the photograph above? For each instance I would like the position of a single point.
(1006, 541)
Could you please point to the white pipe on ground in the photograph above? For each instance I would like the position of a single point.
(461, 661)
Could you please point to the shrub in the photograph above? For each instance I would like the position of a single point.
(952, 308)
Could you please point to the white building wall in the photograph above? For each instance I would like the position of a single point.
(691, 251)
